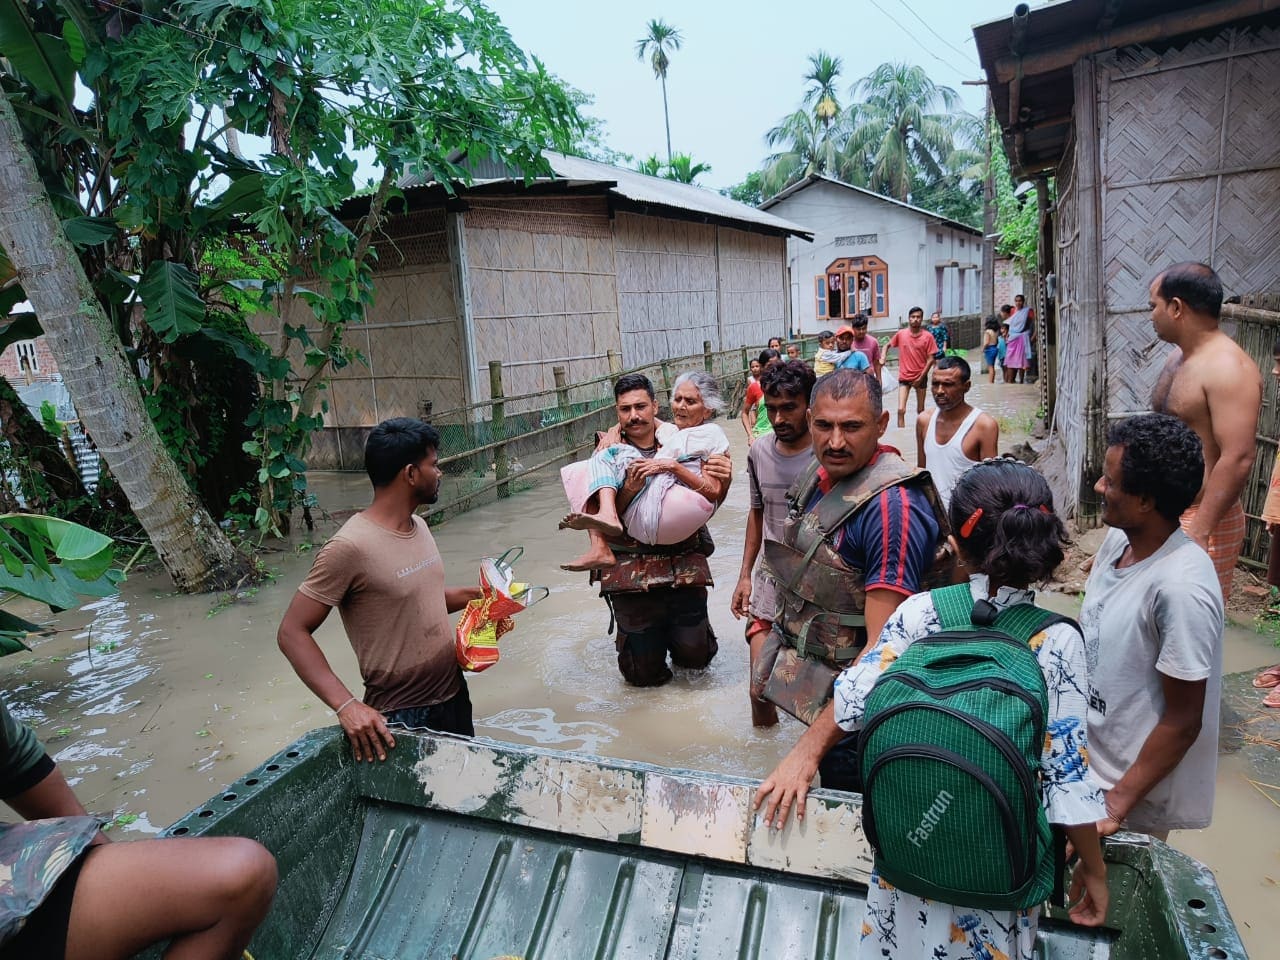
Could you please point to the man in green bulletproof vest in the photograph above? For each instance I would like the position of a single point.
(864, 532)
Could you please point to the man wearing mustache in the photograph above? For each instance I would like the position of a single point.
(656, 594)
(863, 532)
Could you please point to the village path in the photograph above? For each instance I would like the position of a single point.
(151, 702)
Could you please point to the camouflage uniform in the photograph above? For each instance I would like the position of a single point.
(658, 598)
(820, 626)
(34, 855)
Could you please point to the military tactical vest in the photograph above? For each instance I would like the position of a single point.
(642, 567)
(820, 627)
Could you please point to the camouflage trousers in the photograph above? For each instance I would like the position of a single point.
(657, 622)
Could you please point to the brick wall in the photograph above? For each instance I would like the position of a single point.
(11, 366)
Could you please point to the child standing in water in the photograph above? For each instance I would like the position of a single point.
(991, 346)
(676, 499)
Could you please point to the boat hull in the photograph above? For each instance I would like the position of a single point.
(472, 849)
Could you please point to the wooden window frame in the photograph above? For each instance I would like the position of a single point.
(871, 266)
(820, 297)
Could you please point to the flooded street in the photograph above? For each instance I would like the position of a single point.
(151, 702)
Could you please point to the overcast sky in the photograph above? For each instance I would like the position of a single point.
(739, 69)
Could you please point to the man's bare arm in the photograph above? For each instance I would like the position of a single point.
(455, 598)
(747, 418)
(922, 424)
(1234, 398)
(739, 606)
(365, 727)
(51, 797)
(880, 605)
(987, 433)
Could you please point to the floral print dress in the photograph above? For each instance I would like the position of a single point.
(899, 924)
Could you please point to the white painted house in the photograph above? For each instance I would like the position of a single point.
(895, 256)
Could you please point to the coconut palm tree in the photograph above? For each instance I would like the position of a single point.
(820, 92)
(660, 39)
(898, 126)
(808, 145)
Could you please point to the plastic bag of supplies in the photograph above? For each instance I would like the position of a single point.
(484, 620)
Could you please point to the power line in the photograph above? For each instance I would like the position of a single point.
(944, 40)
(898, 23)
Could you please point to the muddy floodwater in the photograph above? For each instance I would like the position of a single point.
(152, 701)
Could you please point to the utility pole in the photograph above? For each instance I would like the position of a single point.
(988, 226)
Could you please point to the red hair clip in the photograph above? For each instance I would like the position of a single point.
(972, 522)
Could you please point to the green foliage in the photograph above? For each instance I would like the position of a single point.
(902, 135)
(658, 43)
(171, 300)
(750, 190)
(147, 188)
(683, 169)
(53, 561)
(1017, 218)
(49, 419)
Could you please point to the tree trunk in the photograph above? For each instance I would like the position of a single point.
(192, 547)
(666, 116)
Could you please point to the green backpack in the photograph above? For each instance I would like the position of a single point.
(950, 757)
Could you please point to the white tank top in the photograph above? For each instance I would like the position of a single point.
(945, 462)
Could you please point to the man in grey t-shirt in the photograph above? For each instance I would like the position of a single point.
(773, 463)
(1152, 622)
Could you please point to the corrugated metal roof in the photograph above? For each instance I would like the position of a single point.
(636, 188)
(1029, 63)
(823, 178)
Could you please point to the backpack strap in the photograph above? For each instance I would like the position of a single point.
(1022, 621)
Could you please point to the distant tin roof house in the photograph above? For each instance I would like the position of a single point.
(874, 255)
(593, 266)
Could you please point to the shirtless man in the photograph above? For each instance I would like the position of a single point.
(956, 436)
(1215, 388)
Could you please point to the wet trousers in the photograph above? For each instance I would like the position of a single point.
(451, 716)
(657, 622)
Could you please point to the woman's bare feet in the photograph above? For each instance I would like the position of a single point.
(608, 525)
(599, 555)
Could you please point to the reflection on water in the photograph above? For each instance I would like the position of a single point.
(540, 726)
(151, 704)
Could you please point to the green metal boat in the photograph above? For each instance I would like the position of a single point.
(456, 849)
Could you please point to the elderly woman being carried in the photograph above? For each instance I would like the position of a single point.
(675, 499)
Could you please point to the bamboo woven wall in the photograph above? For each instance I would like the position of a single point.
(666, 287)
(1190, 171)
(542, 279)
(752, 289)
(411, 341)
(1188, 168)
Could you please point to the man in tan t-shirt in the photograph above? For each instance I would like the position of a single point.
(383, 572)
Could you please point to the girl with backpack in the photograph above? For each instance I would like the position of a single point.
(973, 742)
